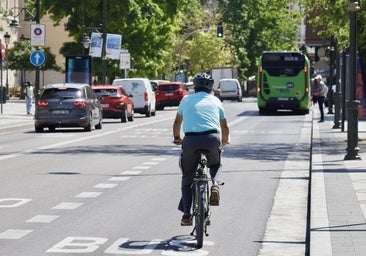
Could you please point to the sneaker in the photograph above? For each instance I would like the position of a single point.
(186, 220)
(215, 195)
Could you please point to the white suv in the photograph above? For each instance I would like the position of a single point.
(142, 94)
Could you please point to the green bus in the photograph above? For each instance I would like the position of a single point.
(283, 82)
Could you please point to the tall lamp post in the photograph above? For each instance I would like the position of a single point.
(38, 68)
(352, 103)
(104, 31)
(7, 41)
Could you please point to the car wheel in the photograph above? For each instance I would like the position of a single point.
(99, 125)
(131, 117)
(52, 129)
(124, 116)
(89, 127)
(148, 113)
(38, 129)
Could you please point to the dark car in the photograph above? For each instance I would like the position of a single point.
(169, 94)
(115, 102)
(68, 105)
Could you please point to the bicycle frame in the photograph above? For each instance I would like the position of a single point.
(201, 205)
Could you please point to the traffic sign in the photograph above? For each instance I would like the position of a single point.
(37, 58)
(38, 34)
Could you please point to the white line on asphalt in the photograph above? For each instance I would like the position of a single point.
(105, 185)
(91, 137)
(89, 194)
(14, 233)
(119, 178)
(320, 241)
(286, 226)
(43, 218)
(131, 172)
(67, 206)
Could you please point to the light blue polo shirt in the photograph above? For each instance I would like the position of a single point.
(201, 112)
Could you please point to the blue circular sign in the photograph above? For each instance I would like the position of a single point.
(37, 31)
(37, 58)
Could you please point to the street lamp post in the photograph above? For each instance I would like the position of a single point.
(352, 103)
(7, 41)
(104, 31)
(38, 68)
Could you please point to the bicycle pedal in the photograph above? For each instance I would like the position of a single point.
(208, 223)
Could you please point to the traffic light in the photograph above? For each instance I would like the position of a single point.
(220, 31)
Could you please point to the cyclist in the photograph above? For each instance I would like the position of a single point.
(205, 127)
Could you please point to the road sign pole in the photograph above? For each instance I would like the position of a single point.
(38, 69)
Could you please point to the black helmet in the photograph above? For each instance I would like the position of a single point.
(203, 81)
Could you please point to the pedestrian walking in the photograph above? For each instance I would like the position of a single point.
(29, 94)
(320, 91)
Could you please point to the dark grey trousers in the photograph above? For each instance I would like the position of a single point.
(189, 161)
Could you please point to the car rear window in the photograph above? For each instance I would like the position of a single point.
(168, 87)
(105, 92)
(62, 93)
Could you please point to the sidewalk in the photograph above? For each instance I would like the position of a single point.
(13, 115)
(338, 192)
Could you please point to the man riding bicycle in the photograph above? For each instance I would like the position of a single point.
(205, 127)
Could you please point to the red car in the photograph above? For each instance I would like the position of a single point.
(115, 102)
(169, 94)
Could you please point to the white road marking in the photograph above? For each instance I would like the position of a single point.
(14, 233)
(67, 142)
(131, 172)
(105, 185)
(139, 167)
(13, 202)
(119, 178)
(89, 194)
(67, 206)
(78, 245)
(150, 163)
(43, 218)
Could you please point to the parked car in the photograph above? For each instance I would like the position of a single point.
(169, 94)
(115, 101)
(229, 89)
(155, 83)
(142, 94)
(68, 105)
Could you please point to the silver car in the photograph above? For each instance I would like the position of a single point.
(68, 105)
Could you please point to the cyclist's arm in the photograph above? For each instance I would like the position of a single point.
(224, 131)
(176, 129)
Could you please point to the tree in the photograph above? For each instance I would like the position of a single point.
(334, 19)
(146, 27)
(257, 26)
(17, 58)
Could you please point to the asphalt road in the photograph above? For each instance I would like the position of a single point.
(115, 191)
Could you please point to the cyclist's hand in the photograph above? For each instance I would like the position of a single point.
(177, 141)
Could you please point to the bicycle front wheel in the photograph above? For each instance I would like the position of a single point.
(200, 217)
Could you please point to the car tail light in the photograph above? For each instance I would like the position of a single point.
(42, 103)
(146, 96)
(80, 103)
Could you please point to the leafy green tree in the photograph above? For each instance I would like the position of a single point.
(146, 27)
(257, 26)
(17, 58)
(333, 19)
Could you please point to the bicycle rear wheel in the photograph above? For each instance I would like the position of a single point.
(200, 216)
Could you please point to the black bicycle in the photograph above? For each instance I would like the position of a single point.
(201, 199)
